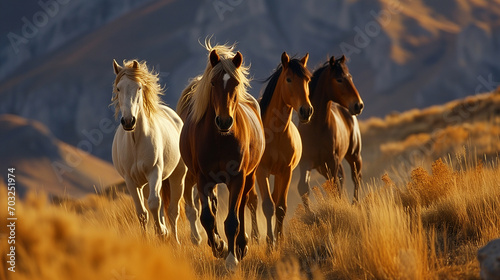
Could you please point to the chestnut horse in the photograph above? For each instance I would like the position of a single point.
(222, 141)
(333, 132)
(287, 90)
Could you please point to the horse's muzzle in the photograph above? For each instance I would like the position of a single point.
(305, 113)
(357, 108)
(224, 124)
(128, 123)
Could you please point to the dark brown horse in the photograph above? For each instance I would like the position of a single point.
(222, 141)
(333, 132)
(287, 90)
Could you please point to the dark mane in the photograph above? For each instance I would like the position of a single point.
(297, 68)
(338, 70)
(314, 80)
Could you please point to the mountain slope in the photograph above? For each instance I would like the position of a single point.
(43, 163)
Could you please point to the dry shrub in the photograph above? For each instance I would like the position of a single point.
(430, 188)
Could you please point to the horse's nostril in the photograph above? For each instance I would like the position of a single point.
(305, 112)
(122, 121)
(358, 107)
(132, 123)
(217, 121)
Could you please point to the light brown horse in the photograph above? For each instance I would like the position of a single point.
(333, 132)
(287, 90)
(222, 141)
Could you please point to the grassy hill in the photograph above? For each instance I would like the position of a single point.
(45, 164)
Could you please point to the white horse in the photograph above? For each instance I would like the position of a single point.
(146, 146)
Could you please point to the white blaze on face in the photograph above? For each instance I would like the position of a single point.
(225, 78)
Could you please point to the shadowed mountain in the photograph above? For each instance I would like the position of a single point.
(402, 54)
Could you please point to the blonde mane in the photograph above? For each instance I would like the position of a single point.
(197, 95)
(150, 87)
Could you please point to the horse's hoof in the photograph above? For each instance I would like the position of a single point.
(231, 263)
(221, 251)
(196, 239)
(271, 241)
(162, 232)
(241, 253)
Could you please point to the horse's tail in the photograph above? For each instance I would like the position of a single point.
(185, 99)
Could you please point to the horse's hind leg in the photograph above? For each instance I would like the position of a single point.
(304, 190)
(154, 201)
(252, 206)
(176, 181)
(191, 210)
(138, 197)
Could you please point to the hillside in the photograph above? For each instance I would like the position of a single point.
(47, 165)
(402, 141)
(403, 54)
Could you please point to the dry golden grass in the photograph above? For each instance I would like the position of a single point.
(427, 228)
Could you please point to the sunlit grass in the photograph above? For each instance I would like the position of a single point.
(428, 227)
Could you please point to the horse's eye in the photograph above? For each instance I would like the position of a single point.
(339, 80)
(289, 80)
(117, 89)
(212, 83)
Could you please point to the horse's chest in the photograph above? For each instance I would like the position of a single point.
(217, 155)
(282, 152)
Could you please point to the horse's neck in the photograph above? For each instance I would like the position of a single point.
(279, 114)
(322, 106)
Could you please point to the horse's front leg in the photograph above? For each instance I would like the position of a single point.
(206, 193)
(236, 188)
(138, 197)
(280, 196)
(242, 238)
(267, 203)
(154, 200)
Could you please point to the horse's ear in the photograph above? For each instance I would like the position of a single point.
(214, 58)
(304, 59)
(237, 60)
(117, 68)
(342, 59)
(135, 64)
(332, 61)
(285, 59)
